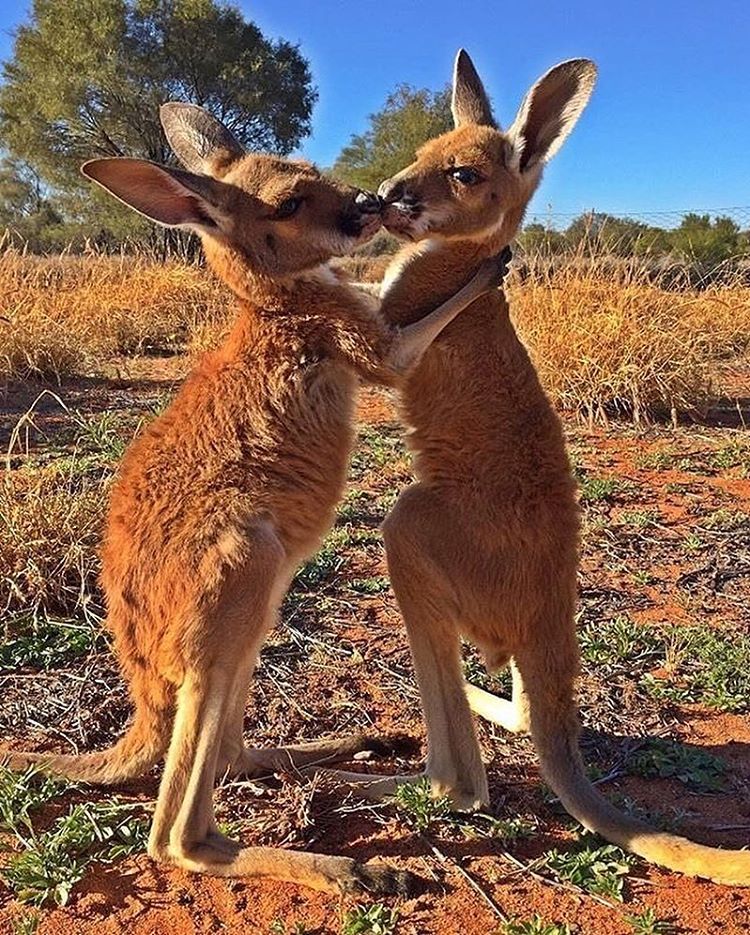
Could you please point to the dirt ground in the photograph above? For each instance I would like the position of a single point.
(666, 545)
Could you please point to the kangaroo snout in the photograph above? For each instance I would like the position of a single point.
(368, 202)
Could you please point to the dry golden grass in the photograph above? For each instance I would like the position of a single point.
(604, 335)
(51, 519)
(63, 315)
(605, 343)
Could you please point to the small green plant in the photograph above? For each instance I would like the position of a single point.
(27, 925)
(639, 519)
(23, 793)
(596, 489)
(725, 520)
(535, 926)
(647, 923)
(370, 920)
(379, 446)
(375, 585)
(655, 460)
(708, 666)
(735, 454)
(105, 435)
(667, 759)
(43, 642)
(692, 542)
(54, 861)
(280, 928)
(415, 799)
(620, 642)
(593, 867)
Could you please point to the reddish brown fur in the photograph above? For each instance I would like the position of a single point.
(221, 497)
(486, 542)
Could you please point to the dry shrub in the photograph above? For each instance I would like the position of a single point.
(60, 315)
(51, 519)
(622, 343)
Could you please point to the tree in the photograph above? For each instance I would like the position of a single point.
(619, 236)
(697, 238)
(408, 119)
(87, 77)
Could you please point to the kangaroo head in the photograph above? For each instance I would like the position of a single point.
(475, 181)
(280, 216)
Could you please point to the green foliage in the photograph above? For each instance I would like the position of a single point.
(54, 861)
(370, 920)
(667, 759)
(706, 665)
(87, 79)
(647, 923)
(416, 800)
(594, 868)
(594, 489)
(279, 927)
(43, 643)
(535, 926)
(375, 585)
(408, 119)
(23, 793)
(698, 238)
(26, 925)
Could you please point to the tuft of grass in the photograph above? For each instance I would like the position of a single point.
(279, 927)
(375, 585)
(647, 923)
(535, 926)
(726, 520)
(26, 924)
(707, 666)
(597, 489)
(422, 809)
(666, 759)
(376, 919)
(620, 642)
(55, 860)
(594, 867)
(639, 519)
(503, 829)
(52, 519)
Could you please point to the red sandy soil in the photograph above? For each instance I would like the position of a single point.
(136, 897)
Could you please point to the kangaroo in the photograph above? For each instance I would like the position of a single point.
(486, 542)
(221, 497)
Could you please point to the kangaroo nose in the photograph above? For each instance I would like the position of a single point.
(392, 192)
(367, 202)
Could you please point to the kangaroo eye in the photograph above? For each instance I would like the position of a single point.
(465, 175)
(287, 208)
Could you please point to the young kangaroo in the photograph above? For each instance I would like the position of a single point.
(486, 543)
(220, 498)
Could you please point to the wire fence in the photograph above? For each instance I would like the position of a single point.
(667, 220)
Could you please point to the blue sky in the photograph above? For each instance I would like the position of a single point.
(669, 125)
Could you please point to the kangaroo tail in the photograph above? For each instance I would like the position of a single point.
(144, 742)
(554, 729)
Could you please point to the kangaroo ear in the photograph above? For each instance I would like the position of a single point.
(200, 141)
(550, 111)
(469, 103)
(168, 196)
